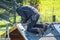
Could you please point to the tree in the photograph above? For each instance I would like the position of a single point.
(9, 5)
(34, 3)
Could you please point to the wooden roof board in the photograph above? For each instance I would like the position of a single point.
(14, 28)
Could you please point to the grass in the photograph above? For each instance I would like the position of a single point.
(1, 32)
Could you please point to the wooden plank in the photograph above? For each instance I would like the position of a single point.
(14, 28)
(21, 29)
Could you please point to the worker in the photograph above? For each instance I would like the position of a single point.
(29, 16)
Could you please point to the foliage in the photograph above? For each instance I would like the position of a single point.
(34, 3)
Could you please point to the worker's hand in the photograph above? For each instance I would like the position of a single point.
(25, 26)
(41, 31)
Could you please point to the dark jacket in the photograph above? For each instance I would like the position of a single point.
(29, 16)
(27, 12)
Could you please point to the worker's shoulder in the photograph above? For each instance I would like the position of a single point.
(28, 6)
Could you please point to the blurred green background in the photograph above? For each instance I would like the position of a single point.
(46, 8)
